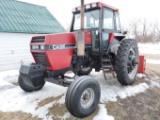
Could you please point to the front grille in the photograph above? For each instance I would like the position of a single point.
(38, 39)
(41, 58)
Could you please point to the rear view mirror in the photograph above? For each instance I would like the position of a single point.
(125, 32)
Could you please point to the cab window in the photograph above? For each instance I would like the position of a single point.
(91, 20)
(108, 22)
(118, 25)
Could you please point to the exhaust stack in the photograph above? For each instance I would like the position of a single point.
(80, 34)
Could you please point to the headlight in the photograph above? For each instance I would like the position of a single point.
(42, 47)
(74, 10)
(79, 8)
(88, 6)
(34, 47)
(94, 5)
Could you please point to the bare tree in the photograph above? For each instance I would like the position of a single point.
(134, 27)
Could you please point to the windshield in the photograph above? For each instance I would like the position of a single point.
(91, 20)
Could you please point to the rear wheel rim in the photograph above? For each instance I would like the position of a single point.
(132, 57)
(87, 98)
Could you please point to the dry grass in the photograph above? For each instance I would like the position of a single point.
(17, 116)
(144, 106)
(48, 100)
(58, 111)
(15, 83)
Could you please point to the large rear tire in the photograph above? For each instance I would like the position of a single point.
(27, 88)
(83, 96)
(126, 63)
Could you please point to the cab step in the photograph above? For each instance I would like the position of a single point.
(107, 66)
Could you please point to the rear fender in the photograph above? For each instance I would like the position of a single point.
(114, 42)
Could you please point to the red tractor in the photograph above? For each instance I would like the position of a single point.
(97, 43)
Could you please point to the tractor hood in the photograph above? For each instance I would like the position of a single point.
(55, 51)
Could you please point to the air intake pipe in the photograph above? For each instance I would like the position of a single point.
(80, 34)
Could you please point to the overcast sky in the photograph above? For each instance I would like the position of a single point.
(129, 9)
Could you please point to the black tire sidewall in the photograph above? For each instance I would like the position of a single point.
(27, 88)
(121, 61)
(24, 87)
(75, 96)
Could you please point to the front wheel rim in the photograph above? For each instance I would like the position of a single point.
(87, 98)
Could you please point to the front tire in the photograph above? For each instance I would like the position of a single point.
(27, 88)
(83, 96)
(126, 63)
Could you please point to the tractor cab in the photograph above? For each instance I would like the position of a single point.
(101, 20)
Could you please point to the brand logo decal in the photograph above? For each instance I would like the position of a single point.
(57, 47)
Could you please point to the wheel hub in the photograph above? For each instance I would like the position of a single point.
(87, 98)
(131, 60)
(132, 64)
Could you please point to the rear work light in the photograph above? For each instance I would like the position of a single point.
(74, 10)
(88, 6)
(94, 5)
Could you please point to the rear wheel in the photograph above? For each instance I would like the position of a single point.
(83, 96)
(126, 64)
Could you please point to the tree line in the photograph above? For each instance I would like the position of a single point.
(144, 31)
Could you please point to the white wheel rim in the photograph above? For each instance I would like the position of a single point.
(87, 98)
(134, 71)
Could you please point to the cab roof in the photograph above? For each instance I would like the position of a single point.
(100, 5)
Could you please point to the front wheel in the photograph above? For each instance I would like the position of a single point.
(126, 63)
(83, 96)
(27, 88)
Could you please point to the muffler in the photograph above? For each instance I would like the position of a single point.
(80, 34)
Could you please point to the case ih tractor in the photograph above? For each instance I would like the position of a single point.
(95, 41)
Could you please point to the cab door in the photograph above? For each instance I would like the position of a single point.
(110, 25)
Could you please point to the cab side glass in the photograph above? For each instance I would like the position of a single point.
(108, 22)
(118, 25)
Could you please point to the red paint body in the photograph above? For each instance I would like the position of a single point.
(111, 37)
(60, 59)
(142, 64)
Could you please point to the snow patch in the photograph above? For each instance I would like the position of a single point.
(17, 100)
(110, 93)
(66, 115)
(111, 88)
(8, 77)
(153, 61)
(141, 75)
(102, 114)
(155, 84)
(149, 48)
